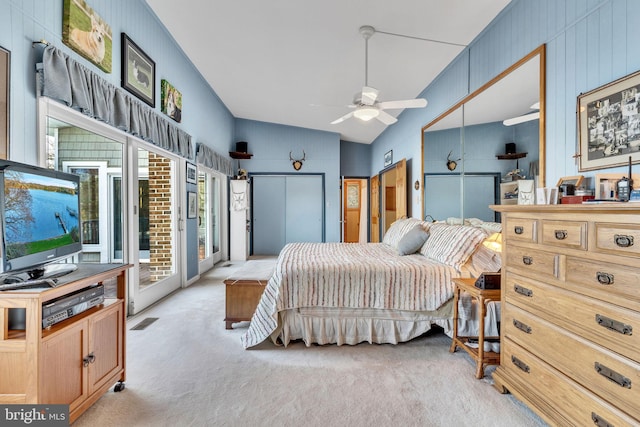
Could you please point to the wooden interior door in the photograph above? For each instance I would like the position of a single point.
(352, 207)
(401, 189)
(375, 209)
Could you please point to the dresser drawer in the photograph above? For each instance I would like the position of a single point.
(521, 229)
(545, 386)
(612, 377)
(567, 234)
(532, 262)
(606, 281)
(618, 238)
(607, 325)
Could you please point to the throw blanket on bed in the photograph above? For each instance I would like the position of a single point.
(352, 275)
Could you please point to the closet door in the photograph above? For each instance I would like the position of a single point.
(304, 200)
(268, 214)
(286, 208)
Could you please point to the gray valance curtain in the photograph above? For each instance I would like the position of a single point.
(69, 82)
(209, 158)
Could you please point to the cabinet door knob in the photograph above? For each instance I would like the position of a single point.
(522, 326)
(599, 421)
(518, 229)
(561, 234)
(527, 260)
(604, 278)
(520, 364)
(623, 240)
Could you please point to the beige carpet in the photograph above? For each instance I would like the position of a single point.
(185, 369)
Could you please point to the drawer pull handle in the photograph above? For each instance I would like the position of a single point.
(527, 260)
(612, 375)
(520, 364)
(614, 325)
(523, 291)
(604, 278)
(518, 229)
(599, 421)
(561, 234)
(623, 240)
(523, 327)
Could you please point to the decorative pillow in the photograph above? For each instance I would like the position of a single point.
(484, 260)
(452, 244)
(398, 229)
(412, 241)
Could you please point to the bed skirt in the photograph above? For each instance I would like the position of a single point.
(321, 326)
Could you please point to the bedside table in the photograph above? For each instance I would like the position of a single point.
(482, 296)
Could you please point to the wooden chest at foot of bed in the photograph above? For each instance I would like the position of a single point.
(244, 289)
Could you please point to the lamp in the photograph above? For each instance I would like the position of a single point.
(366, 113)
(494, 242)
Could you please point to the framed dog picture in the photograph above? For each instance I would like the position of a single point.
(138, 72)
(87, 34)
(171, 101)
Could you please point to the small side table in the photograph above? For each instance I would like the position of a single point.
(483, 296)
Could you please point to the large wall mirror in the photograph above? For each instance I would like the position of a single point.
(493, 135)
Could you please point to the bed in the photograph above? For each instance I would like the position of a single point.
(389, 292)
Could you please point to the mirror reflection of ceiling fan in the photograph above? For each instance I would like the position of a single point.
(366, 105)
(525, 117)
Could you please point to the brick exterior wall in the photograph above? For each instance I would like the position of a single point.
(160, 231)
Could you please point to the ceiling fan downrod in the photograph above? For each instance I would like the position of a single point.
(367, 31)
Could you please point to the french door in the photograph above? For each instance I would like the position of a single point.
(157, 225)
(211, 217)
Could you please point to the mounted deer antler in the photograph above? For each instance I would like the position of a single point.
(297, 164)
(451, 164)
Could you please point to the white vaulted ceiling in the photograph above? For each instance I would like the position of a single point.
(299, 63)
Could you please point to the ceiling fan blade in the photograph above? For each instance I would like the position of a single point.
(408, 103)
(521, 119)
(369, 95)
(386, 118)
(343, 118)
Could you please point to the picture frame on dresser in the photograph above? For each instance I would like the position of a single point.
(609, 124)
(605, 184)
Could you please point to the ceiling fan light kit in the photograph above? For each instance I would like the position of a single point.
(366, 113)
(366, 102)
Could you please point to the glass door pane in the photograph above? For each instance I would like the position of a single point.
(157, 242)
(204, 249)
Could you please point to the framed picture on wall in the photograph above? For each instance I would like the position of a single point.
(609, 124)
(86, 33)
(388, 158)
(138, 72)
(192, 204)
(192, 173)
(170, 101)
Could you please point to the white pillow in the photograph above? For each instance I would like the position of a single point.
(398, 229)
(452, 244)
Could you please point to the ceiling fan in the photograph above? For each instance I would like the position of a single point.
(365, 104)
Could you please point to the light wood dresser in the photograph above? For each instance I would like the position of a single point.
(570, 333)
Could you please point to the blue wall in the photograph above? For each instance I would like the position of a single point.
(271, 145)
(355, 159)
(589, 43)
(204, 116)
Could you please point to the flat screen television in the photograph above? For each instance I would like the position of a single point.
(40, 211)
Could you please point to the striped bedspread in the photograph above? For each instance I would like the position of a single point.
(352, 275)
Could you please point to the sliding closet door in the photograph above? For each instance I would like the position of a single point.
(304, 209)
(268, 214)
(285, 209)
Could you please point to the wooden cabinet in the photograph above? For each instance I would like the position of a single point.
(570, 305)
(73, 362)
